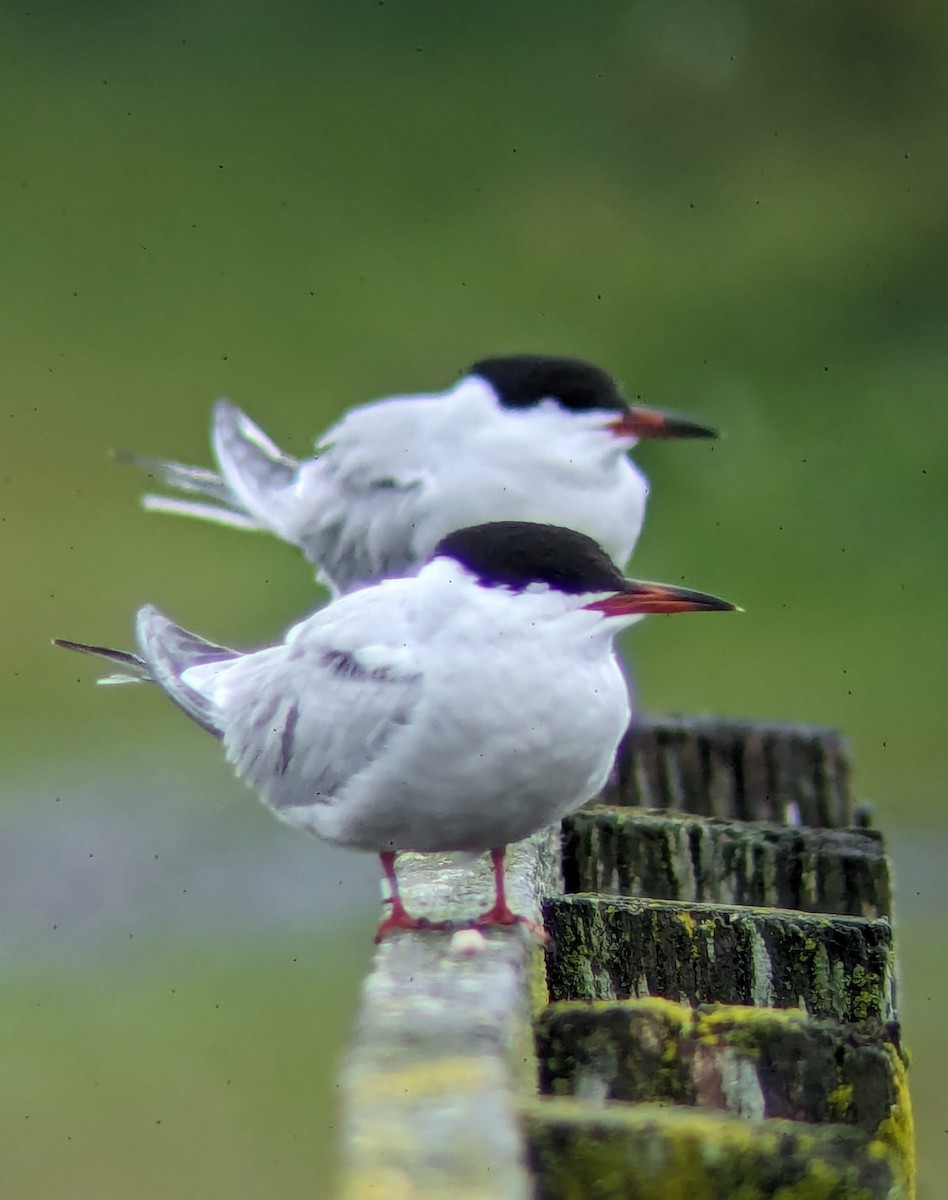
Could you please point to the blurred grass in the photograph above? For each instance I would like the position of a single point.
(737, 209)
(196, 1074)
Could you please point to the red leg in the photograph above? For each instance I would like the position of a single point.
(399, 918)
(500, 913)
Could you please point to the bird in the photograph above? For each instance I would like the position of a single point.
(524, 437)
(458, 709)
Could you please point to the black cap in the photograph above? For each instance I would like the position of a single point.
(514, 554)
(522, 380)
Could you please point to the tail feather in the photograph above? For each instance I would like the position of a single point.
(232, 517)
(256, 472)
(251, 491)
(136, 669)
(180, 476)
(169, 651)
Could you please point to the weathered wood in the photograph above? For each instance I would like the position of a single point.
(671, 856)
(755, 1099)
(753, 1062)
(752, 771)
(443, 1049)
(613, 948)
(648, 1152)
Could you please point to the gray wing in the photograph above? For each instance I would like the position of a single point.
(169, 652)
(359, 531)
(251, 489)
(258, 475)
(356, 504)
(301, 720)
(352, 521)
(352, 515)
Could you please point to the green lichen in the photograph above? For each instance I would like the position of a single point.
(644, 1051)
(821, 974)
(741, 1026)
(866, 990)
(762, 956)
(645, 1152)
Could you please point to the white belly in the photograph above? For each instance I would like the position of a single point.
(475, 776)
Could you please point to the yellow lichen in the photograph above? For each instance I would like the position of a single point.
(688, 1154)
(867, 993)
(444, 1076)
(897, 1132)
(742, 1025)
(839, 1100)
(537, 982)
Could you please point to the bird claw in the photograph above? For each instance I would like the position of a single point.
(400, 920)
(505, 917)
(494, 917)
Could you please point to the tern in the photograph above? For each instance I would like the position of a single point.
(525, 438)
(459, 709)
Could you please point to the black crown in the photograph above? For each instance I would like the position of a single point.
(522, 380)
(514, 554)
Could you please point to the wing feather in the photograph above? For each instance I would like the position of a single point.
(302, 719)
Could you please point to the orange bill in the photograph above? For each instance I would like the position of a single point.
(644, 598)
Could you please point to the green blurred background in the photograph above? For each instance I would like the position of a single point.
(741, 210)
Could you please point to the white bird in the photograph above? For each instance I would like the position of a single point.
(462, 708)
(524, 438)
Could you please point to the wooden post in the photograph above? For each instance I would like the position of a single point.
(443, 1051)
(715, 1014)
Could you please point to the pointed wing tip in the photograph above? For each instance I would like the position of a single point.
(148, 612)
(149, 623)
(230, 421)
(225, 409)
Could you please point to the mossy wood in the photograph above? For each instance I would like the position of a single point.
(739, 770)
(713, 1084)
(613, 948)
(648, 1152)
(755, 1063)
(634, 852)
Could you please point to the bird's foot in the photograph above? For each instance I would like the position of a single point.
(399, 919)
(501, 914)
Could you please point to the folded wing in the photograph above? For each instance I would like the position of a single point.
(302, 719)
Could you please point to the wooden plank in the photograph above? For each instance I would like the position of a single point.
(771, 771)
(614, 948)
(672, 856)
(754, 1062)
(650, 1152)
